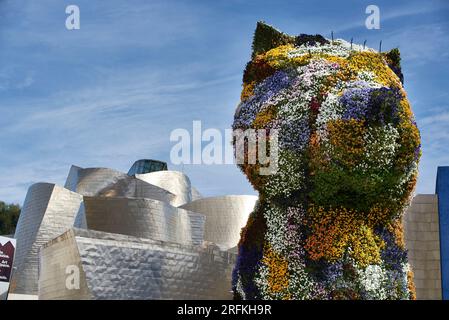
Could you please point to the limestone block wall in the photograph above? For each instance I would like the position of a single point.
(421, 232)
(144, 218)
(48, 211)
(123, 267)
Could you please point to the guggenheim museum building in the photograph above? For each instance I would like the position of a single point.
(147, 234)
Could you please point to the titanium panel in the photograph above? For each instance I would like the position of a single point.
(173, 181)
(127, 268)
(111, 183)
(144, 218)
(225, 217)
(48, 211)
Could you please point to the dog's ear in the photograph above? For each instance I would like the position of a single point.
(267, 37)
(393, 58)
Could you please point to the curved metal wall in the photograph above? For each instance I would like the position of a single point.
(196, 195)
(114, 266)
(48, 211)
(144, 218)
(112, 183)
(225, 217)
(131, 187)
(90, 181)
(175, 182)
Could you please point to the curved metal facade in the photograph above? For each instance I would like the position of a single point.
(148, 236)
(175, 182)
(90, 181)
(225, 217)
(196, 195)
(112, 183)
(114, 266)
(48, 211)
(144, 218)
(131, 187)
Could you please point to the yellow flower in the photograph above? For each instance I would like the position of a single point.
(336, 231)
(248, 90)
(278, 271)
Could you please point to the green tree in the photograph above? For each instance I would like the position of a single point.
(9, 215)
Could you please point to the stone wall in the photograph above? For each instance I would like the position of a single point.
(421, 232)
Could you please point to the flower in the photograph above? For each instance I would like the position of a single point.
(328, 223)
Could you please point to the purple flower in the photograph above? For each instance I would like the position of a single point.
(248, 260)
(417, 152)
(356, 101)
(271, 86)
(392, 255)
(247, 111)
(294, 134)
(333, 272)
(380, 105)
(384, 105)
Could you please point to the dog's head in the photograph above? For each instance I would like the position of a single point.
(342, 130)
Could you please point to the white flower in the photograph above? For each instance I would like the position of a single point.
(338, 47)
(372, 279)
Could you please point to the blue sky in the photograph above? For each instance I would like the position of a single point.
(112, 92)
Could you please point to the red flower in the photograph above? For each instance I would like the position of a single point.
(315, 105)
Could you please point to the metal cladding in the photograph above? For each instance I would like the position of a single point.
(48, 211)
(144, 218)
(127, 238)
(131, 187)
(111, 183)
(115, 266)
(175, 182)
(196, 194)
(225, 217)
(90, 181)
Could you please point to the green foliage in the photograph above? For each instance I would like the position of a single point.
(266, 38)
(393, 58)
(309, 39)
(257, 70)
(9, 215)
(354, 189)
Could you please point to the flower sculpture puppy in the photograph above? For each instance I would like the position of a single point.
(328, 223)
